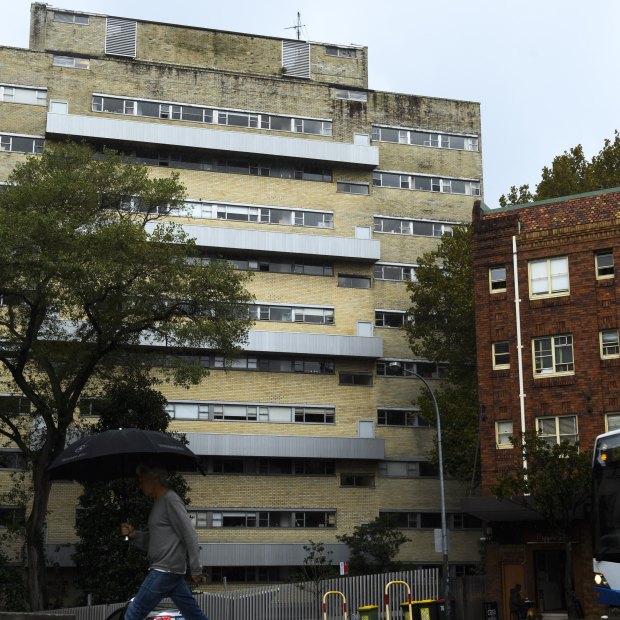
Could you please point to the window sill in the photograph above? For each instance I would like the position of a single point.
(553, 380)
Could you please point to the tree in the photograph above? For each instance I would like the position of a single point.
(556, 484)
(443, 331)
(373, 546)
(87, 276)
(571, 173)
(109, 568)
(317, 567)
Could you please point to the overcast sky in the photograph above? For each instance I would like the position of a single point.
(544, 71)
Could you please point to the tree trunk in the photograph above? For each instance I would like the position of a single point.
(35, 542)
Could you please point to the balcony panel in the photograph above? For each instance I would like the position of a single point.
(285, 446)
(343, 248)
(167, 134)
(264, 554)
(301, 343)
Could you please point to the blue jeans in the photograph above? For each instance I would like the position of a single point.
(158, 585)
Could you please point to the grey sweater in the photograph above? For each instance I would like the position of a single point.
(170, 537)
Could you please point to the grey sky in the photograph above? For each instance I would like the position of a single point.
(544, 71)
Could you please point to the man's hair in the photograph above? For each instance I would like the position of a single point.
(153, 471)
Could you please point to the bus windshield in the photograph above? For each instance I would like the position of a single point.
(606, 499)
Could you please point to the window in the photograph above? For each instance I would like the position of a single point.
(23, 94)
(426, 184)
(92, 406)
(353, 281)
(11, 404)
(353, 95)
(610, 346)
(556, 429)
(355, 378)
(21, 144)
(340, 52)
(71, 62)
(497, 279)
(425, 138)
(70, 18)
(613, 421)
(262, 518)
(357, 480)
(604, 261)
(11, 459)
(400, 273)
(390, 318)
(501, 355)
(549, 277)
(406, 469)
(292, 314)
(503, 433)
(203, 114)
(428, 370)
(11, 516)
(553, 355)
(345, 187)
(412, 227)
(400, 417)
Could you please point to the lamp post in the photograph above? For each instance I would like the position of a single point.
(442, 494)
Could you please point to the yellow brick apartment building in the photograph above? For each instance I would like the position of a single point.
(329, 192)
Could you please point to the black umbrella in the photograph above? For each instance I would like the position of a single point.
(116, 454)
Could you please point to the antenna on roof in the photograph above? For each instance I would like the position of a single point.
(298, 26)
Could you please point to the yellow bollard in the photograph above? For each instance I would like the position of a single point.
(344, 604)
(387, 598)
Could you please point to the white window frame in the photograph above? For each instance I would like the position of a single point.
(496, 354)
(598, 267)
(503, 432)
(550, 266)
(609, 344)
(70, 62)
(616, 422)
(557, 343)
(493, 280)
(557, 436)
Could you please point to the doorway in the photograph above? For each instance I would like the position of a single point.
(511, 575)
(550, 580)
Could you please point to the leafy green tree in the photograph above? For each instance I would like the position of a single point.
(443, 331)
(571, 173)
(373, 546)
(555, 482)
(87, 275)
(109, 568)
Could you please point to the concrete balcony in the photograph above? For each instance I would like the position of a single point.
(287, 446)
(301, 343)
(324, 246)
(171, 135)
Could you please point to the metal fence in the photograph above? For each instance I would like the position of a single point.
(299, 601)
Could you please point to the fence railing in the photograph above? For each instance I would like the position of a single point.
(299, 601)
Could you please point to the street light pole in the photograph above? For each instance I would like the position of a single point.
(442, 494)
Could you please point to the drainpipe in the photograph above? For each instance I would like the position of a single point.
(519, 343)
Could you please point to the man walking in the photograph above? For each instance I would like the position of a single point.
(169, 539)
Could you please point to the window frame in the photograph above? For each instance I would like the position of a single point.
(607, 418)
(496, 354)
(552, 352)
(598, 268)
(616, 344)
(550, 291)
(557, 435)
(502, 437)
(493, 288)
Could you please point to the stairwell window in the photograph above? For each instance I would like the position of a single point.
(501, 355)
(503, 433)
(604, 262)
(610, 346)
(553, 355)
(549, 277)
(71, 62)
(497, 279)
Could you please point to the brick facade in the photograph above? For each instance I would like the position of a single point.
(575, 227)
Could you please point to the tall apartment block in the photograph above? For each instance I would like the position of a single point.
(328, 192)
(547, 319)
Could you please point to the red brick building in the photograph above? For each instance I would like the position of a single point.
(545, 278)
